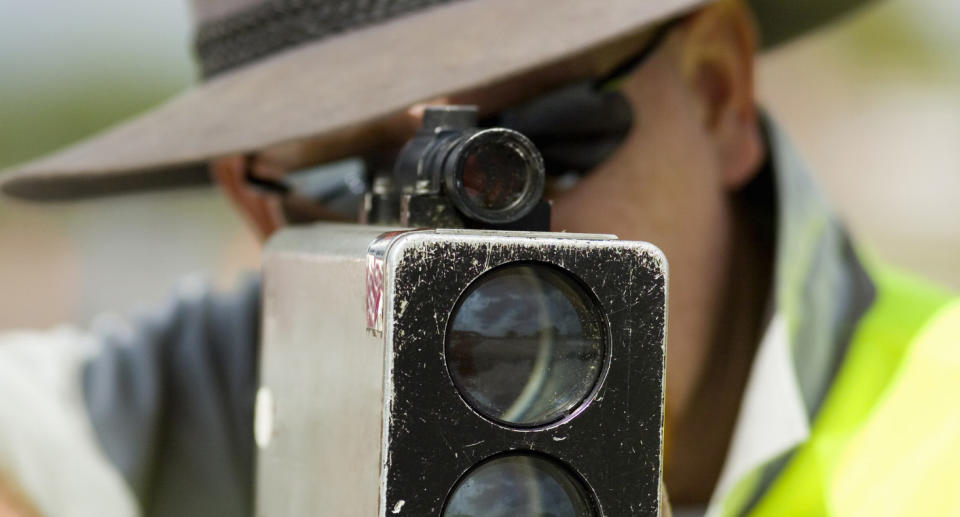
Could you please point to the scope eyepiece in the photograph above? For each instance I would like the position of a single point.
(494, 175)
(490, 176)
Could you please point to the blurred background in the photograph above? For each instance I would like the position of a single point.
(873, 103)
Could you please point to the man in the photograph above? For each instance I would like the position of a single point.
(800, 380)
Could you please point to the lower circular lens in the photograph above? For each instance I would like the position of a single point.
(525, 345)
(519, 485)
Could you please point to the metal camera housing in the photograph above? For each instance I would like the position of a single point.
(357, 414)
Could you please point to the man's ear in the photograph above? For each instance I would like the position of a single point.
(717, 57)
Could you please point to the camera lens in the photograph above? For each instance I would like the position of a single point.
(525, 344)
(495, 176)
(519, 485)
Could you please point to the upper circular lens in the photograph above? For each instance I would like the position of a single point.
(525, 344)
(495, 174)
(519, 486)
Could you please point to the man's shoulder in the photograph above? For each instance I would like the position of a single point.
(195, 306)
(121, 398)
(187, 368)
(909, 447)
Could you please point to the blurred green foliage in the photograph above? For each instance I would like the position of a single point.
(38, 118)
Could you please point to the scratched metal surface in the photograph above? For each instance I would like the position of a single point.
(434, 437)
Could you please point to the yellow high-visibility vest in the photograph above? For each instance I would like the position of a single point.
(886, 442)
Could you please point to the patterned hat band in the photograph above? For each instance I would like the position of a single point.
(271, 26)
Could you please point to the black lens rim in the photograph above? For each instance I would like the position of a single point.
(533, 187)
(600, 319)
(583, 487)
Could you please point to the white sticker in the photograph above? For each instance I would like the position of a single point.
(264, 414)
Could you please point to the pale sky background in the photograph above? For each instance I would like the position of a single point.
(874, 105)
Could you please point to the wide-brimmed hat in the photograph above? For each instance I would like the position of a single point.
(282, 70)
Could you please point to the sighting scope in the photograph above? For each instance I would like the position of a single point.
(453, 174)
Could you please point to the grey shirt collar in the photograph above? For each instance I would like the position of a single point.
(820, 291)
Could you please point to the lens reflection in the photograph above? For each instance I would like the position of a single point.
(495, 175)
(518, 486)
(525, 346)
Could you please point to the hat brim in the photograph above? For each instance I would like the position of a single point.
(318, 89)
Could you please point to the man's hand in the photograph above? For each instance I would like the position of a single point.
(13, 502)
